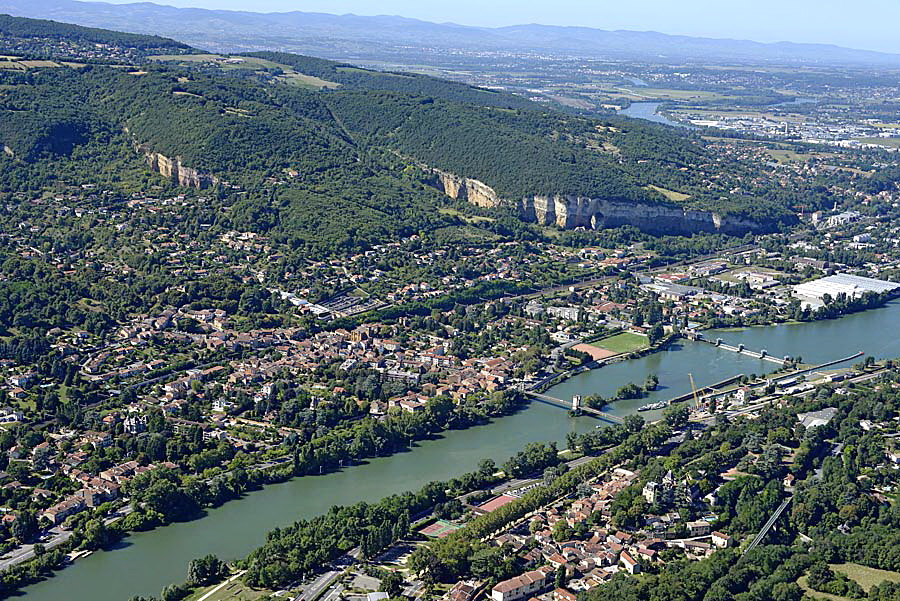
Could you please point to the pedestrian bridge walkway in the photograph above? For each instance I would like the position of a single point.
(576, 405)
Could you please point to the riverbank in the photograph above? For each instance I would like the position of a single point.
(228, 486)
(649, 111)
(157, 558)
(561, 377)
(235, 528)
(815, 342)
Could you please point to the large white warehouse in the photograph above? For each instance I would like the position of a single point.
(851, 285)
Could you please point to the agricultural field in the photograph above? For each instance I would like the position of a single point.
(358, 70)
(887, 142)
(784, 156)
(12, 63)
(638, 94)
(308, 81)
(864, 576)
(224, 62)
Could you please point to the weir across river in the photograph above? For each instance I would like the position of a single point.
(763, 354)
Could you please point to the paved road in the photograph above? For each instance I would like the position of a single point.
(770, 399)
(26, 552)
(318, 585)
(57, 536)
(334, 593)
(412, 590)
(325, 580)
(522, 482)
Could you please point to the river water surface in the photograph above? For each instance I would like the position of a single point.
(648, 111)
(148, 561)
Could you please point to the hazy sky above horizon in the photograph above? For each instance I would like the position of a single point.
(869, 24)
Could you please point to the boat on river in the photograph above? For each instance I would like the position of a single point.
(654, 406)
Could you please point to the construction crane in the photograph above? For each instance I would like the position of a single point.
(694, 390)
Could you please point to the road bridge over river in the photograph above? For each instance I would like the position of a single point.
(576, 405)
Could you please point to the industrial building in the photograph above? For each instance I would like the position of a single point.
(852, 285)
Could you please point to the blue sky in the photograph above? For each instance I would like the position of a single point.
(870, 24)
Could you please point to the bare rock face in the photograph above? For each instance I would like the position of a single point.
(8, 151)
(175, 170)
(476, 192)
(569, 212)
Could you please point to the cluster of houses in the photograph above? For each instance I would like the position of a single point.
(95, 489)
(598, 554)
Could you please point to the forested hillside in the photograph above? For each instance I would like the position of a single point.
(25, 28)
(355, 78)
(521, 152)
(336, 166)
(74, 125)
(517, 152)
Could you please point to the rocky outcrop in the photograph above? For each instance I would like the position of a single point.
(570, 212)
(175, 170)
(8, 151)
(463, 188)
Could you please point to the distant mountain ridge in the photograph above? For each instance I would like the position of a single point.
(18, 27)
(343, 36)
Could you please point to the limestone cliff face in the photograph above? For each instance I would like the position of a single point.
(596, 213)
(463, 188)
(175, 170)
(570, 212)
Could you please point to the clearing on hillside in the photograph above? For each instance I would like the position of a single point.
(289, 74)
(865, 576)
(670, 194)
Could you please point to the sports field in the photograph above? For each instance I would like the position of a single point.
(626, 342)
(438, 529)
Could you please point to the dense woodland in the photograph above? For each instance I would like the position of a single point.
(352, 151)
(355, 78)
(25, 28)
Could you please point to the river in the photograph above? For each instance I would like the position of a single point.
(146, 562)
(648, 111)
(873, 332)
(707, 363)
